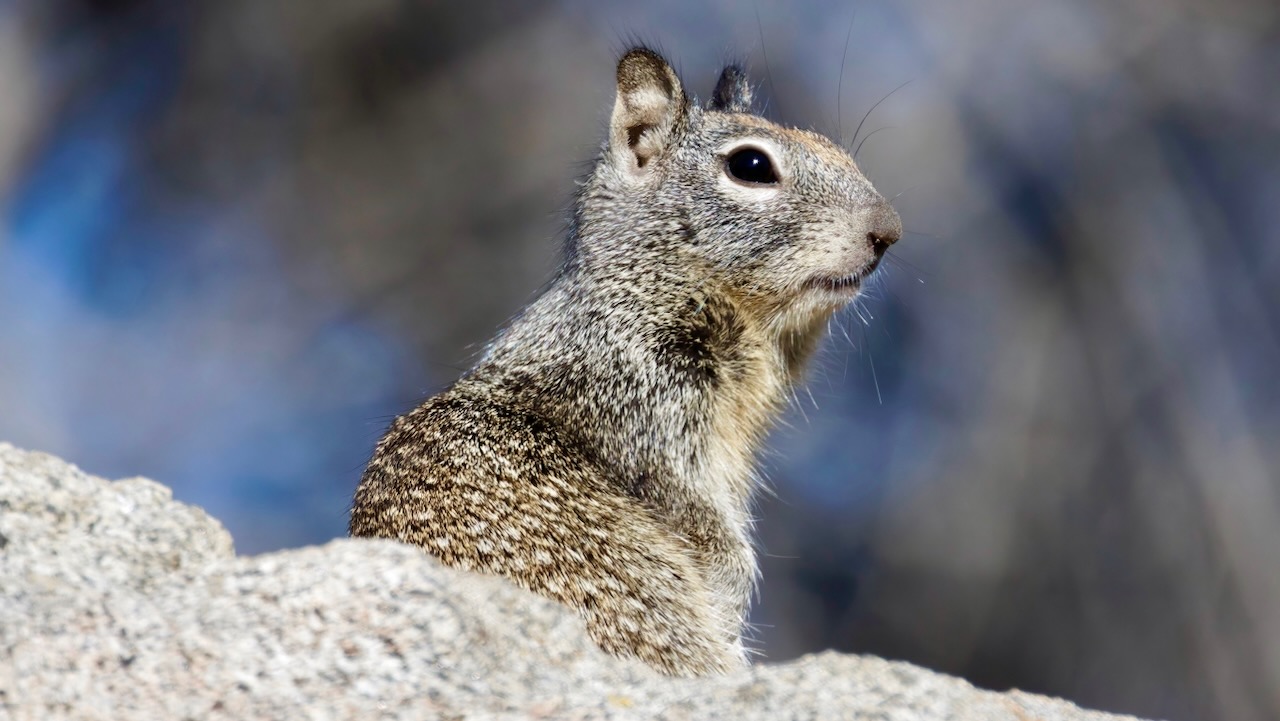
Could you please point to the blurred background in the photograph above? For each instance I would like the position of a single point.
(238, 237)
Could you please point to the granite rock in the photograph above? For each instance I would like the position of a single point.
(118, 602)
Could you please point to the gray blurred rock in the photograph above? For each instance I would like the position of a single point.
(120, 603)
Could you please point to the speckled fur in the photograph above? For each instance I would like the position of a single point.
(601, 452)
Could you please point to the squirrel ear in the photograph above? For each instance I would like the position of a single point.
(732, 93)
(649, 108)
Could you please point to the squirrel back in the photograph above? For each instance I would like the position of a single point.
(602, 450)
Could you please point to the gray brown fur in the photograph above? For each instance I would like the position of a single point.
(601, 452)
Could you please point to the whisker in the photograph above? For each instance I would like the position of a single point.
(795, 399)
(846, 335)
(868, 137)
(875, 379)
(901, 192)
(858, 311)
(764, 52)
(890, 256)
(840, 84)
(873, 107)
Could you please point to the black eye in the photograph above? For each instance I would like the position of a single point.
(750, 165)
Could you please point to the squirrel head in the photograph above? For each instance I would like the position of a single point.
(780, 219)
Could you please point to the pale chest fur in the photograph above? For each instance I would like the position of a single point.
(743, 407)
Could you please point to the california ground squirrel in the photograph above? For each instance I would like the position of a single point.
(601, 452)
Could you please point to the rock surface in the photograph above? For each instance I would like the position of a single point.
(117, 602)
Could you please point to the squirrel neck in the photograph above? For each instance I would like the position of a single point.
(668, 382)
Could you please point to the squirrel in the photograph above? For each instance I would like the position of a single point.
(601, 452)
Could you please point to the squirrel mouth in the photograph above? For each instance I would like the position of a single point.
(840, 285)
(845, 284)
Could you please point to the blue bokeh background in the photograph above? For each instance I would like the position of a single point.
(238, 237)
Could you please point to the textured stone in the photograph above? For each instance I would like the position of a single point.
(119, 603)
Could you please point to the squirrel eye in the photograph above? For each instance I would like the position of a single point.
(751, 165)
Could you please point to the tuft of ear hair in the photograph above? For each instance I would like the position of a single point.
(649, 110)
(732, 93)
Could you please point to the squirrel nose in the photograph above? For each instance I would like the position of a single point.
(886, 228)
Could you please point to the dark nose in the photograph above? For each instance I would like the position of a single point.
(886, 228)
